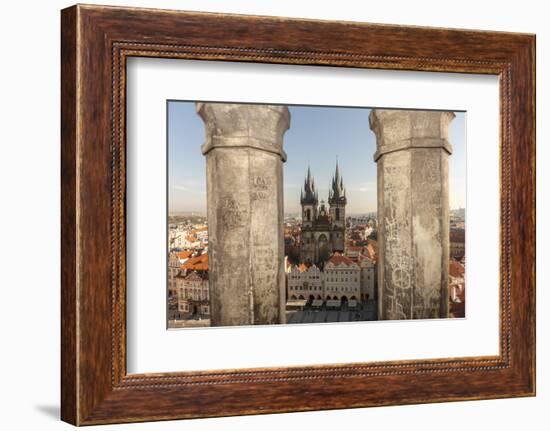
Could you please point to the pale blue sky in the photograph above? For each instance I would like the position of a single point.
(317, 135)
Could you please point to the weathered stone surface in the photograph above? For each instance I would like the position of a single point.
(413, 212)
(244, 164)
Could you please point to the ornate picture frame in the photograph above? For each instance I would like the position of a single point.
(96, 41)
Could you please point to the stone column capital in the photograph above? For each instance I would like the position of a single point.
(242, 125)
(398, 130)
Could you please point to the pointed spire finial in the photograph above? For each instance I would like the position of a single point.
(309, 194)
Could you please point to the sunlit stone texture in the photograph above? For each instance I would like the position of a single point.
(413, 212)
(244, 165)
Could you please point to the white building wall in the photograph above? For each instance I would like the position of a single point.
(305, 283)
(173, 270)
(342, 280)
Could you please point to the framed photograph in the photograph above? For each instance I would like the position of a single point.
(258, 208)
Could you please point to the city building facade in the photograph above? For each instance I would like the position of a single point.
(457, 289)
(342, 278)
(305, 282)
(174, 267)
(193, 295)
(457, 239)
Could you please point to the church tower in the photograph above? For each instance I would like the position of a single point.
(337, 201)
(309, 200)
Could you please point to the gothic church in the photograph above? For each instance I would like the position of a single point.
(323, 230)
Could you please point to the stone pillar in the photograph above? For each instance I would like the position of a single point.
(244, 166)
(413, 212)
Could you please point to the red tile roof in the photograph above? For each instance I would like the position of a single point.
(371, 252)
(184, 254)
(337, 259)
(303, 267)
(197, 263)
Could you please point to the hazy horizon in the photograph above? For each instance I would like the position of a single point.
(203, 213)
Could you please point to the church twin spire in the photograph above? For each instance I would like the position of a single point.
(309, 194)
(336, 193)
(337, 190)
